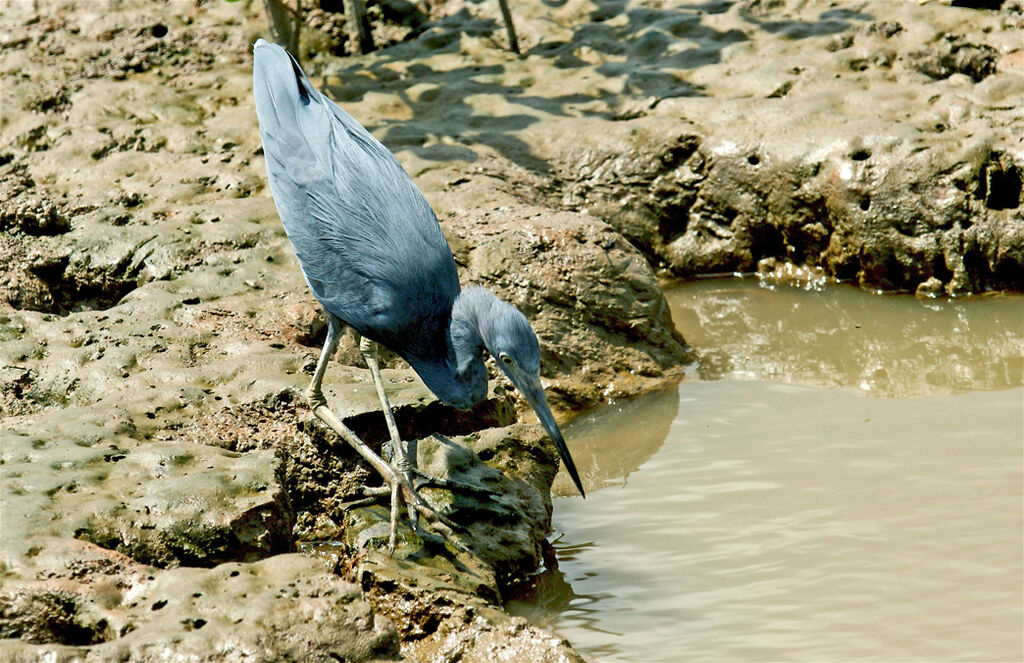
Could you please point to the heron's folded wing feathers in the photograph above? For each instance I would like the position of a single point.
(368, 242)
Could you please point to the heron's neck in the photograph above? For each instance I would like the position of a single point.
(467, 343)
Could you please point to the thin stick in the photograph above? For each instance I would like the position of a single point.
(513, 41)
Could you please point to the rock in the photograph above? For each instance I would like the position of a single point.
(319, 471)
(817, 158)
(287, 607)
(930, 288)
(167, 505)
(447, 603)
(503, 524)
(494, 636)
(724, 209)
(604, 327)
(161, 503)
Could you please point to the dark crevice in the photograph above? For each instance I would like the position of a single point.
(672, 224)
(416, 422)
(978, 4)
(1003, 186)
(1008, 274)
(977, 267)
(939, 270)
(48, 616)
(767, 242)
(63, 285)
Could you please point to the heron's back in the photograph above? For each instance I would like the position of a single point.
(368, 242)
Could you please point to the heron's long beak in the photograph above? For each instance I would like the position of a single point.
(534, 393)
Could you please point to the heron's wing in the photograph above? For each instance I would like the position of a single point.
(368, 242)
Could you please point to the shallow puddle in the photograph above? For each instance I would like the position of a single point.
(840, 479)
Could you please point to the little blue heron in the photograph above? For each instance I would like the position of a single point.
(373, 254)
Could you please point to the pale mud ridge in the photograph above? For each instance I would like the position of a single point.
(160, 471)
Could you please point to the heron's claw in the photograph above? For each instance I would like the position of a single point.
(424, 480)
(419, 507)
(403, 490)
(370, 495)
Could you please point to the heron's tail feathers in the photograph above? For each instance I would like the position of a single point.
(280, 87)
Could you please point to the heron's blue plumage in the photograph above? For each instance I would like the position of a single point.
(368, 242)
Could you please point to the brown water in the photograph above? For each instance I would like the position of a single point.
(839, 479)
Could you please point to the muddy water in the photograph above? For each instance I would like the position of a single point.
(839, 479)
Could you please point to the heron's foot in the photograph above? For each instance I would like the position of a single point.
(376, 494)
(368, 495)
(398, 484)
(424, 480)
(401, 489)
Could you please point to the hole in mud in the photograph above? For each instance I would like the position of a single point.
(159, 30)
(753, 160)
(159, 605)
(978, 4)
(865, 203)
(672, 226)
(1004, 188)
(861, 155)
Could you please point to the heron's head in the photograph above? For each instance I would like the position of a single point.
(507, 335)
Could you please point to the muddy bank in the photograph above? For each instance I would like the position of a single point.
(156, 334)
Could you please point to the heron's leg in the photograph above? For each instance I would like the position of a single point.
(369, 350)
(318, 404)
(424, 480)
(398, 484)
(314, 393)
(399, 455)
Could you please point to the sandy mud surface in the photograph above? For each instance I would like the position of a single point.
(160, 470)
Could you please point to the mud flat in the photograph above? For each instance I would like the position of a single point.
(160, 472)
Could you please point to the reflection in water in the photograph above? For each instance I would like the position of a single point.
(606, 464)
(892, 345)
(742, 520)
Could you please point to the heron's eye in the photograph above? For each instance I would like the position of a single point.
(508, 361)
